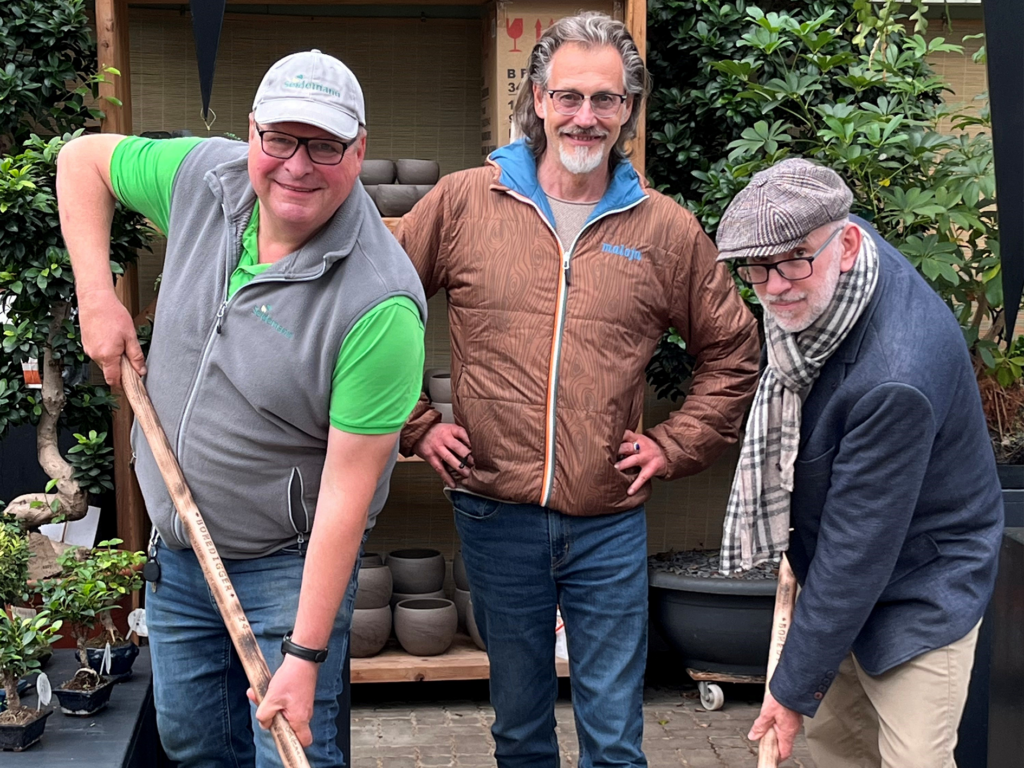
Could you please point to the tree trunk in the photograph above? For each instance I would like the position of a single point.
(83, 654)
(11, 689)
(35, 509)
(113, 636)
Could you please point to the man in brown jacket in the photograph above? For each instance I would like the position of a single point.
(562, 270)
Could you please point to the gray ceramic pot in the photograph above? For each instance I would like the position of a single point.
(377, 172)
(371, 558)
(471, 626)
(440, 387)
(461, 600)
(422, 190)
(421, 172)
(371, 628)
(417, 570)
(396, 199)
(426, 627)
(397, 597)
(459, 572)
(375, 587)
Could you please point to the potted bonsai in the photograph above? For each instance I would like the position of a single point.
(120, 572)
(78, 599)
(21, 639)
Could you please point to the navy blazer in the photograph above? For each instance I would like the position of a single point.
(897, 512)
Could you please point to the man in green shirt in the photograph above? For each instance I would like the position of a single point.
(287, 353)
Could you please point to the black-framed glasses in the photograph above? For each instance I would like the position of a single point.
(799, 268)
(602, 103)
(283, 146)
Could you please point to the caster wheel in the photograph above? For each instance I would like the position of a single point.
(711, 696)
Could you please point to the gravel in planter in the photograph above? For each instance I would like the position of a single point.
(704, 564)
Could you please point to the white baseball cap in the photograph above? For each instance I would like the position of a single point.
(313, 88)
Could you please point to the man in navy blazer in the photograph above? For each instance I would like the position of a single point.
(867, 440)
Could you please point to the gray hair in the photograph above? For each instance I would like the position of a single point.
(590, 30)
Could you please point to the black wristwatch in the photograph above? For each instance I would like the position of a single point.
(287, 646)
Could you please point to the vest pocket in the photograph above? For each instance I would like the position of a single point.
(298, 514)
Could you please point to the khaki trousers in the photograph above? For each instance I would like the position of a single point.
(904, 718)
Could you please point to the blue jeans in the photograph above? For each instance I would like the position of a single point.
(523, 560)
(203, 715)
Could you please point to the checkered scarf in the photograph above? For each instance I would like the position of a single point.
(757, 518)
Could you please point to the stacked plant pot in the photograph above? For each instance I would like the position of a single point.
(395, 186)
(371, 619)
(425, 621)
(437, 382)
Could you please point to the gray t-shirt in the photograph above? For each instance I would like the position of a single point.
(569, 218)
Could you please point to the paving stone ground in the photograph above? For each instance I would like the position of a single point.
(422, 725)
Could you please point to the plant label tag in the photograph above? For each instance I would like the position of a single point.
(137, 622)
(22, 612)
(43, 691)
(105, 666)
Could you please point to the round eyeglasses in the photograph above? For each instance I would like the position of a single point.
(602, 104)
(791, 269)
(283, 146)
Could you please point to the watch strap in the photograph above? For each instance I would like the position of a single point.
(301, 652)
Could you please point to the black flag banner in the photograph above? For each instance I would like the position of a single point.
(207, 21)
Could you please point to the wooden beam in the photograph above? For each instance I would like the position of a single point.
(636, 22)
(463, 661)
(112, 50)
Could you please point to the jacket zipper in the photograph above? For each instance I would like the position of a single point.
(564, 281)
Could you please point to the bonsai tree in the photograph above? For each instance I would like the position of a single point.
(77, 599)
(14, 554)
(120, 572)
(21, 642)
(50, 93)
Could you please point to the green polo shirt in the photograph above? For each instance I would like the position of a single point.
(379, 373)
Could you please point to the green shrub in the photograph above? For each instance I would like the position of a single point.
(852, 89)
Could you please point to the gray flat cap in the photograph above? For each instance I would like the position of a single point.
(780, 207)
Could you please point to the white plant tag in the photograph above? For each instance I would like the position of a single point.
(105, 666)
(561, 648)
(137, 622)
(43, 691)
(23, 612)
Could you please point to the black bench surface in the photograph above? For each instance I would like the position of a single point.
(121, 736)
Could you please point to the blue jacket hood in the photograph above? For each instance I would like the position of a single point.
(519, 173)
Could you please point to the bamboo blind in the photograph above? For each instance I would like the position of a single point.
(421, 79)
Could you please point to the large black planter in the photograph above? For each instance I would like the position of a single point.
(121, 659)
(1011, 479)
(716, 625)
(15, 738)
(84, 703)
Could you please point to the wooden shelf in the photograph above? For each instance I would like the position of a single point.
(391, 222)
(463, 661)
(402, 459)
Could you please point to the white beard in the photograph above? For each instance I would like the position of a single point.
(581, 161)
(817, 302)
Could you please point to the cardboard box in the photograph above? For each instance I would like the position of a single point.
(510, 30)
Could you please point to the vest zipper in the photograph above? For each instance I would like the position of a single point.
(565, 279)
(190, 400)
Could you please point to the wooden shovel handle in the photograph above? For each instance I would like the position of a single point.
(785, 599)
(213, 567)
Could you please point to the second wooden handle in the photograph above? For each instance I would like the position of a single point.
(213, 567)
(785, 599)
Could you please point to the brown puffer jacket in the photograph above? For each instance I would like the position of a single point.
(548, 361)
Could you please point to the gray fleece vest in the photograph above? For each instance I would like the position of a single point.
(243, 386)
